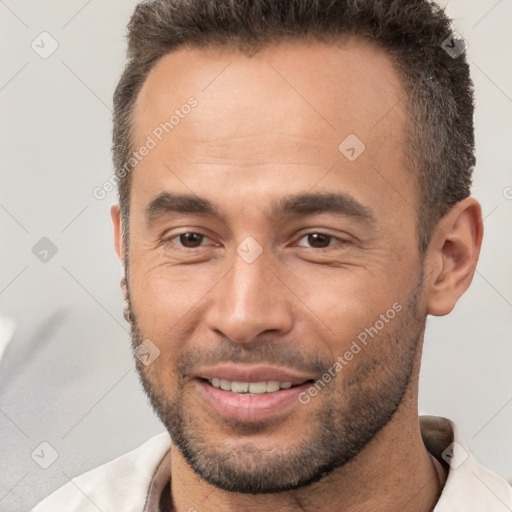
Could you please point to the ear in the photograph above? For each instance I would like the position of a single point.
(453, 254)
(115, 214)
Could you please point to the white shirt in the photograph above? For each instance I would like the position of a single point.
(138, 480)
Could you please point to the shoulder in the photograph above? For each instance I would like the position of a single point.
(469, 486)
(121, 484)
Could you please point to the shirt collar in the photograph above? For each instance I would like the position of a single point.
(468, 483)
(159, 494)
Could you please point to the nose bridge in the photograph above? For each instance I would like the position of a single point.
(249, 284)
(249, 300)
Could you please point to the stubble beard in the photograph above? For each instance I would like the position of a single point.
(347, 420)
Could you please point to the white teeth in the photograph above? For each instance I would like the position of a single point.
(272, 385)
(225, 385)
(239, 387)
(256, 388)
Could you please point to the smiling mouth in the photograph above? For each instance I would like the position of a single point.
(252, 388)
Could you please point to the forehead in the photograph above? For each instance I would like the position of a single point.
(303, 88)
(287, 107)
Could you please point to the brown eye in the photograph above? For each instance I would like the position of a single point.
(190, 240)
(316, 240)
(319, 240)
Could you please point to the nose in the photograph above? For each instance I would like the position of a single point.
(250, 300)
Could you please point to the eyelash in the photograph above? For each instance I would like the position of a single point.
(331, 237)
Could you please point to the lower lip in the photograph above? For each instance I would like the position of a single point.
(251, 407)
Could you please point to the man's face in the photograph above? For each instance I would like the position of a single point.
(300, 254)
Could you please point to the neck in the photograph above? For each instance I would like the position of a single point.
(393, 472)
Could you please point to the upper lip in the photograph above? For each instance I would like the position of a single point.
(251, 373)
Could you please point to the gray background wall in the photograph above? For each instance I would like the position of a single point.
(66, 377)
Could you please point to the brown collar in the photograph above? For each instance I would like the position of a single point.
(159, 495)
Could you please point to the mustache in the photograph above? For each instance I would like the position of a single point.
(261, 351)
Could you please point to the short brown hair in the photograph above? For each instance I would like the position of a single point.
(440, 134)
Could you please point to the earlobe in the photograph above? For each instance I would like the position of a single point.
(453, 254)
(115, 214)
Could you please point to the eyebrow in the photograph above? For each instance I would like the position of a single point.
(301, 204)
(167, 202)
(308, 204)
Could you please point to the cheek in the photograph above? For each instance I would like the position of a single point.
(165, 299)
(346, 301)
